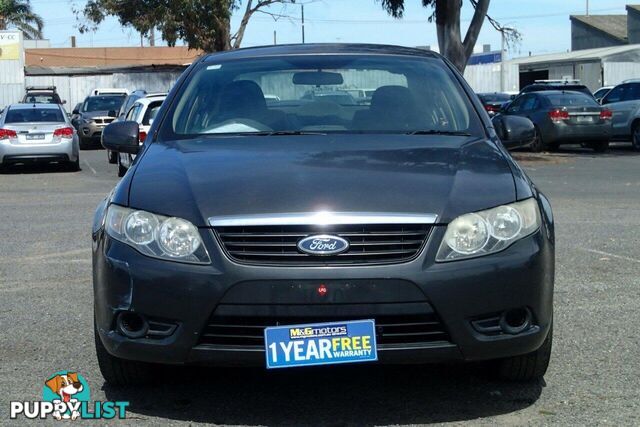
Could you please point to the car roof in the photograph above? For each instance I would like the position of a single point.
(557, 92)
(317, 48)
(149, 99)
(25, 106)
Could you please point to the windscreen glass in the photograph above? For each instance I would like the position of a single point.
(31, 115)
(323, 94)
(572, 100)
(103, 103)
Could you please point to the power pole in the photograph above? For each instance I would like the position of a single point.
(502, 58)
(587, 7)
(302, 6)
(152, 37)
(275, 38)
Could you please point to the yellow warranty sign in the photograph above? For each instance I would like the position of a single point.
(9, 46)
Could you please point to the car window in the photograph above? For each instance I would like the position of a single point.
(41, 98)
(34, 115)
(632, 92)
(152, 111)
(571, 99)
(616, 94)
(133, 112)
(516, 106)
(530, 103)
(312, 93)
(102, 103)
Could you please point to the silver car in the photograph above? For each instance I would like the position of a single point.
(624, 101)
(38, 133)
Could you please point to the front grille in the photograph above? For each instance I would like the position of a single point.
(248, 331)
(368, 244)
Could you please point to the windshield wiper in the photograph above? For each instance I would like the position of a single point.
(438, 132)
(285, 133)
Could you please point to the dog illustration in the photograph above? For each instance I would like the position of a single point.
(65, 386)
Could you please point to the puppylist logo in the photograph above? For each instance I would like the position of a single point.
(66, 396)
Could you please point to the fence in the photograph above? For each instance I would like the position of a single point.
(74, 88)
(486, 77)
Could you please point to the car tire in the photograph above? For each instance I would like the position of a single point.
(121, 169)
(537, 145)
(600, 146)
(112, 156)
(84, 144)
(121, 372)
(530, 366)
(74, 166)
(635, 137)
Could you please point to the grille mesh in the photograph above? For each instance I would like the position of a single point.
(368, 244)
(248, 331)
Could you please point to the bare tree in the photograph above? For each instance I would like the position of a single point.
(447, 18)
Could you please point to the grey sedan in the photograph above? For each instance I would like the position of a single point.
(624, 102)
(38, 133)
(564, 117)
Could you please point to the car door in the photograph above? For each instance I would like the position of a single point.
(623, 101)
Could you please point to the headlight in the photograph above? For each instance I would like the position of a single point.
(489, 231)
(157, 236)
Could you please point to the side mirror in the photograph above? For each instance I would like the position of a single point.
(75, 111)
(514, 131)
(64, 101)
(122, 137)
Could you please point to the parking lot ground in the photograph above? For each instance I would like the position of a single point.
(46, 318)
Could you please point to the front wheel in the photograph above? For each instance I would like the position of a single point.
(530, 366)
(121, 169)
(635, 137)
(112, 157)
(84, 143)
(537, 145)
(121, 372)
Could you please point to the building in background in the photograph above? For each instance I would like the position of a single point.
(594, 31)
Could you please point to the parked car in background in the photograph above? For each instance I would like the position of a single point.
(624, 101)
(124, 108)
(602, 92)
(38, 133)
(572, 85)
(494, 102)
(242, 223)
(564, 117)
(94, 114)
(339, 97)
(110, 91)
(143, 111)
(42, 95)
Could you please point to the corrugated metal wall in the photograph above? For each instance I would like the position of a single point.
(11, 74)
(617, 72)
(74, 89)
(486, 77)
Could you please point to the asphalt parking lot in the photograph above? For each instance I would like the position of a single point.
(46, 318)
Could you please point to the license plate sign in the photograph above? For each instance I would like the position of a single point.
(320, 344)
(584, 119)
(35, 136)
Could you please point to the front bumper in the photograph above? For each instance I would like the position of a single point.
(457, 293)
(91, 130)
(65, 150)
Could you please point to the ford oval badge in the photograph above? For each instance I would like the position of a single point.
(323, 244)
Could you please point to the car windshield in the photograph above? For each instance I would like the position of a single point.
(31, 115)
(41, 98)
(494, 97)
(572, 100)
(102, 103)
(321, 94)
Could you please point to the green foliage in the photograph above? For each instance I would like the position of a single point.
(18, 14)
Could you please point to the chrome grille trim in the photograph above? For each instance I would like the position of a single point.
(321, 218)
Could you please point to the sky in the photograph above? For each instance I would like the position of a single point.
(544, 24)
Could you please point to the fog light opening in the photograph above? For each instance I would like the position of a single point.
(132, 325)
(515, 321)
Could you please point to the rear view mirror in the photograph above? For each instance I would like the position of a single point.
(514, 131)
(122, 137)
(317, 78)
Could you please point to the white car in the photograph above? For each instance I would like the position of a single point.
(143, 111)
